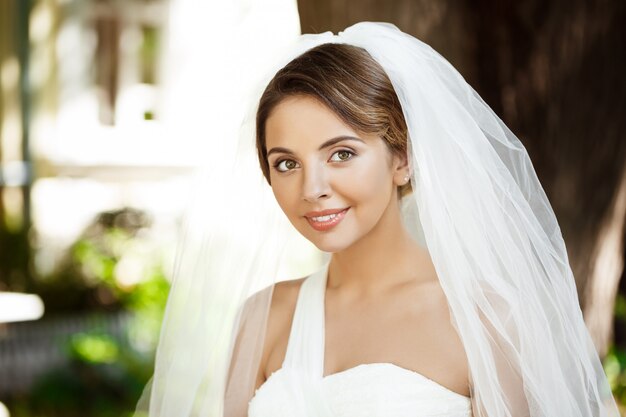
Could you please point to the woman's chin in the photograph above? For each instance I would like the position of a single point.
(330, 244)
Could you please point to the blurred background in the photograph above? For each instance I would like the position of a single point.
(106, 107)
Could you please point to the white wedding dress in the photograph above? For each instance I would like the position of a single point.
(299, 389)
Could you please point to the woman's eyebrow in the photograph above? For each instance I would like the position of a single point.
(329, 142)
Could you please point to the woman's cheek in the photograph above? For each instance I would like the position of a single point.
(281, 195)
(288, 198)
(366, 180)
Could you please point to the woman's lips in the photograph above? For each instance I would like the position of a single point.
(330, 221)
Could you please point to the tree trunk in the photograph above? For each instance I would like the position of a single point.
(554, 73)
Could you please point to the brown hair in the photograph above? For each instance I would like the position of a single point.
(349, 82)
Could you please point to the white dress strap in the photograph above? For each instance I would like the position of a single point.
(305, 348)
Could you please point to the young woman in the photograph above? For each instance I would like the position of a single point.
(446, 290)
(339, 181)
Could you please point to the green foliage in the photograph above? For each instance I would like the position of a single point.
(15, 273)
(615, 360)
(114, 266)
(620, 307)
(615, 368)
(95, 348)
(104, 379)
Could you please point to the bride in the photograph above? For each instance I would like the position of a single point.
(338, 181)
(446, 289)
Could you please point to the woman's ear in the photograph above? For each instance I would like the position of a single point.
(401, 169)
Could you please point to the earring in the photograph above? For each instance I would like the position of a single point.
(406, 179)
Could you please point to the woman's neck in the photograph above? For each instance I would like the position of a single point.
(385, 257)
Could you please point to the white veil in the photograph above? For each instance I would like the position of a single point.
(486, 222)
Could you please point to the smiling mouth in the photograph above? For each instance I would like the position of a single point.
(327, 222)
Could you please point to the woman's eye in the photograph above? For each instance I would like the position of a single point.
(343, 155)
(285, 165)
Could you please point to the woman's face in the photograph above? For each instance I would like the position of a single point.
(320, 164)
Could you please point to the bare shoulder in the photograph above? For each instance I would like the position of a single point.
(447, 341)
(285, 294)
(282, 308)
(256, 318)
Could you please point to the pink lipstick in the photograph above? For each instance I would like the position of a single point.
(325, 219)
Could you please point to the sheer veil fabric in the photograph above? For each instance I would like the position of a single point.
(476, 205)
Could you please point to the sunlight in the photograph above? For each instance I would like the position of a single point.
(19, 307)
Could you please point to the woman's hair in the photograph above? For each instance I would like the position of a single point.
(349, 82)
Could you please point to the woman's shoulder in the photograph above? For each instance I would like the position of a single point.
(282, 307)
(281, 297)
(286, 293)
(281, 311)
(282, 294)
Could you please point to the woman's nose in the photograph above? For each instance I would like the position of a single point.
(314, 184)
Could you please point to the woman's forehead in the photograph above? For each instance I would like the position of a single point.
(304, 120)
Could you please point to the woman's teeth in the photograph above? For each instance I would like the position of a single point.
(324, 218)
